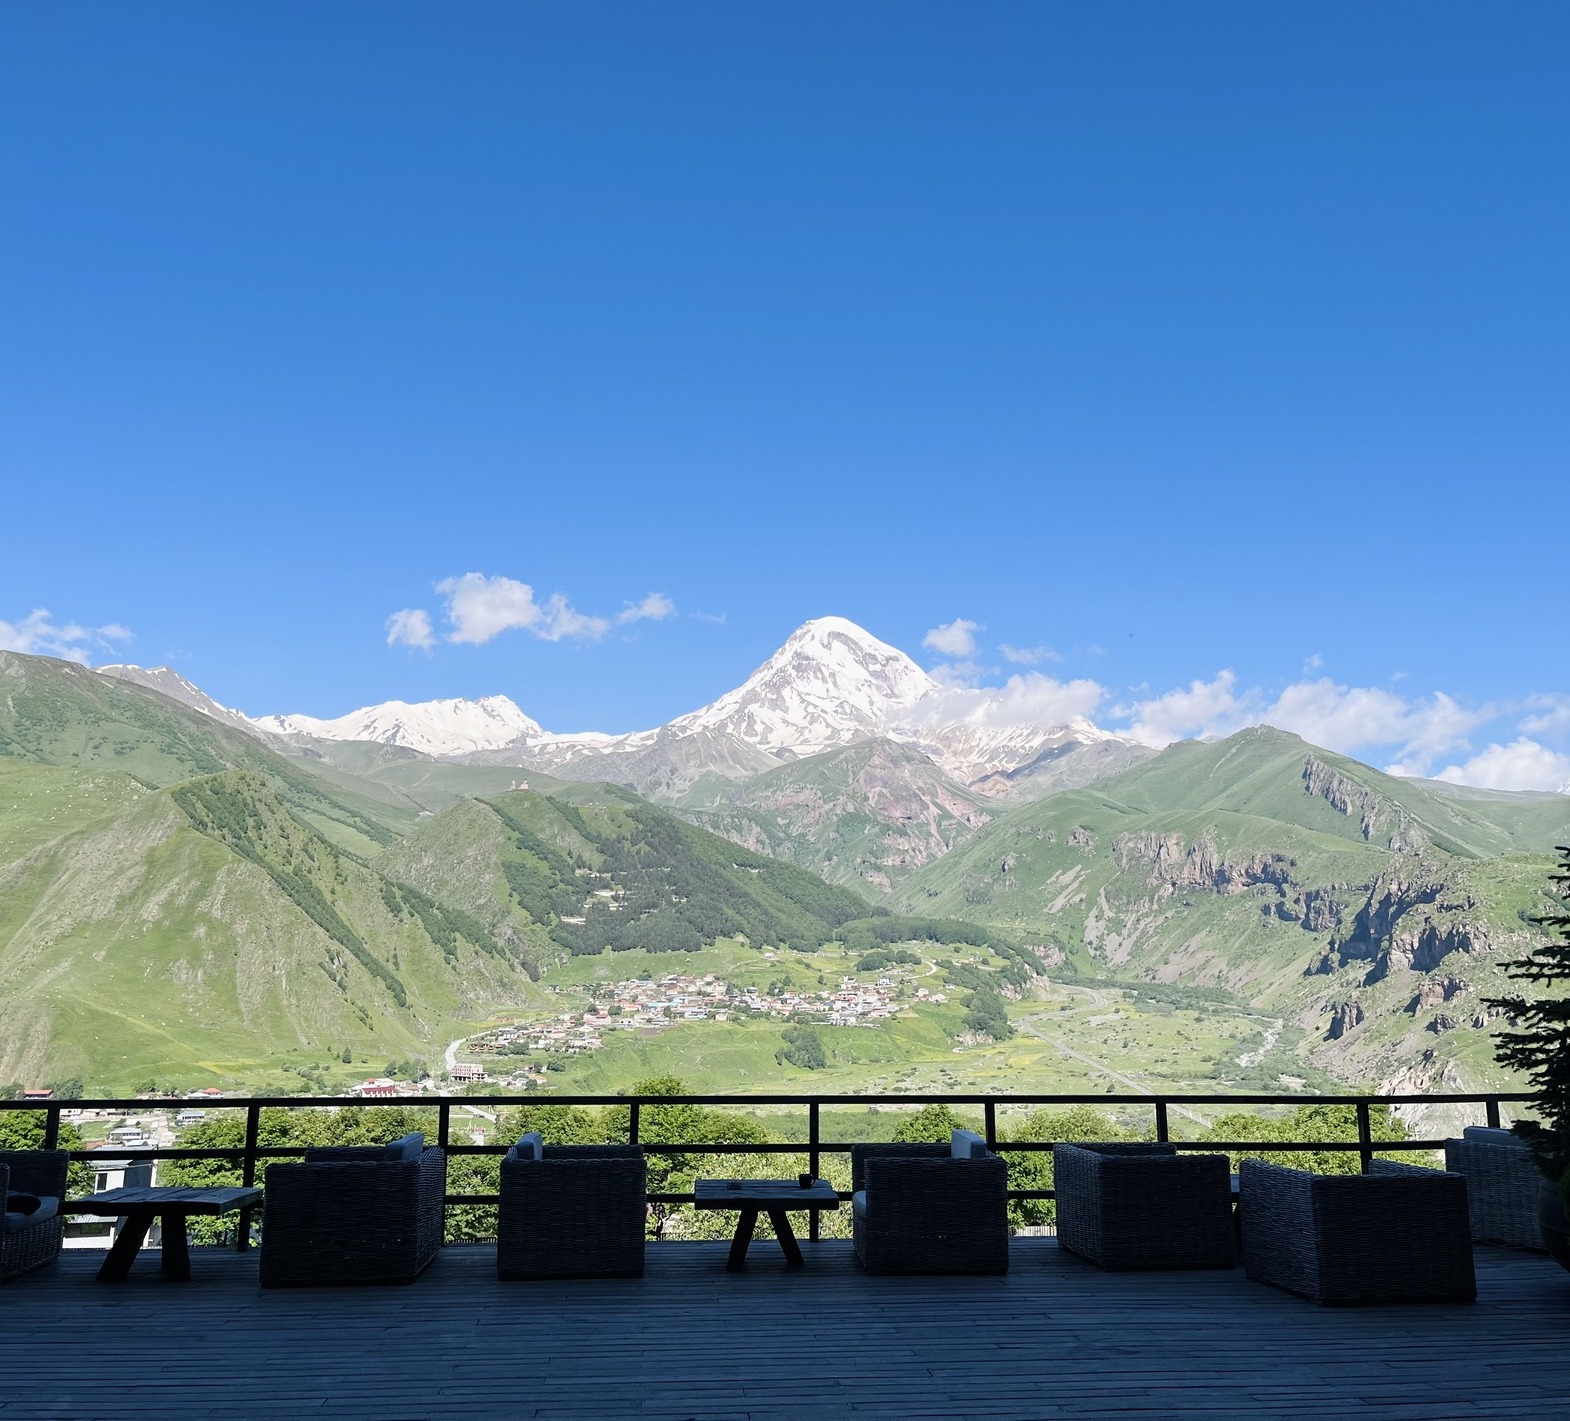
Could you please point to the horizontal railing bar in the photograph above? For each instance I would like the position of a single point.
(415, 1102)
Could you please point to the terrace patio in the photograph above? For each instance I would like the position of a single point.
(1056, 1337)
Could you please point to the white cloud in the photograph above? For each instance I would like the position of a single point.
(1029, 655)
(410, 627)
(656, 607)
(1312, 662)
(1523, 764)
(1346, 718)
(38, 634)
(1203, 708)
(1027, 699)
(1550, 715)
(957, 638)
(481, 608)
(559, 621)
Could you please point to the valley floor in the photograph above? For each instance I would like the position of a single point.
(1055, 1337)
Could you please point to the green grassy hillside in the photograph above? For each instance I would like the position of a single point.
(206, 935)
(594, 867)
(1370, 911)
(57, 713)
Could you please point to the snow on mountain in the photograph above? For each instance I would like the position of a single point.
(451, 727)
(171, 683)
(831, 684)
(971, 750)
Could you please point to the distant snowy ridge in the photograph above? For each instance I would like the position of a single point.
(171, 683)
(830, 685)
(450, 727)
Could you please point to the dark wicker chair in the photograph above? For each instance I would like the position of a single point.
(1502, 1180)
(1398, 1235)
(352, 1215)
(1144, 1206)
(917, 1209)
(576, 1211)
(30, 1240)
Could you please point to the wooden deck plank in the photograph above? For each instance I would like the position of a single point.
(689, 1340)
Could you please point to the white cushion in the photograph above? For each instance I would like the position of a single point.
(967, 1144)
(23, 1211)
(1489, 1135)
(407, 1147)
(858, 1203)
(531, 1146)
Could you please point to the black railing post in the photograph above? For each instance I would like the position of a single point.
(253, 1130)
(812, 1164)
(1163, 1131)
(1365, 1137)
(1491, 1105)
(632, 1123)
(52, 1128)
(444, 1124)
(989, 1113)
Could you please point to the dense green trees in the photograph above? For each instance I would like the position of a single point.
(1539, 1042)
(803, 1047)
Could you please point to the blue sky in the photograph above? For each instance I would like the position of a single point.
(1222, 349)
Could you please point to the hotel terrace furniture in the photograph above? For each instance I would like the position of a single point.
(766, 1196)
(571, 1211)
(1144, 1206)
(1502, 1180)
(174, 1206)
(33, 1185)
(1397, 1235)
(370, 1214)
(930, 1208)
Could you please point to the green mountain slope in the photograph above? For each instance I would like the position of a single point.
(594, 867)
(57, 713)
(867, 815)
(1370, 912)
(205, 934)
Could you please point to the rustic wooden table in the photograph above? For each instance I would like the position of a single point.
(763, 1196)
(174, 1206)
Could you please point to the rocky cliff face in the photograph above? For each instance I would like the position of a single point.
(1376, 816)
(1170, 862)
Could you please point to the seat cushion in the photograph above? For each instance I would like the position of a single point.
(967, 1144)
(1489, 1135)
(858, 1203)
(407, 1148)
(25, 1211)
(531, 1146)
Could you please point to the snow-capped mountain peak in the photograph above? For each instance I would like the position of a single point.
(451, 727)
(832, 683)
(169, 682)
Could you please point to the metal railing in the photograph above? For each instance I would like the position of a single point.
(253, 1153)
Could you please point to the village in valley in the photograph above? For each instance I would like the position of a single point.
(649, 1004)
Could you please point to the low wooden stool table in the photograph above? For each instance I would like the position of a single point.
(139, 1207)
(767, 1196)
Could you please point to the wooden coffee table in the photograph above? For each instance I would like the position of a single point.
(763, 1196)
(139, 1207)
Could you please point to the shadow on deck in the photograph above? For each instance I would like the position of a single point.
(1054, 1338)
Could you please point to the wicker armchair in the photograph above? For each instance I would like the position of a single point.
(571, 1211)
(1144, 1206)
(31, 1238)
(353, 1215)
(1502, 1180)
(1398, 1235)
(918, 1209)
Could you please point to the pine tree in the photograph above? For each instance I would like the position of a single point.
(1540, 1047)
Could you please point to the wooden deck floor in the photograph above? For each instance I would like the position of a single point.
(1054, 1338)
